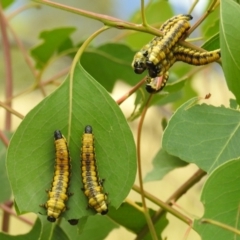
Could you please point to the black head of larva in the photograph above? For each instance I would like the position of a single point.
(88, 129)
(150, 89)
(57, 135)
(190, 17)
(104, 212)
(51, 219)
(73, 221)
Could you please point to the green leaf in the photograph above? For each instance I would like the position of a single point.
(163, 163)
(212, 43)
(109, 63)
(229, 40)
(53, 41)
(5, 189)
(47, 229)
(205, 135)
(73, 232)
(31, 153)
(220, 197)
(134, 220)
(97, 228)
(210, 25)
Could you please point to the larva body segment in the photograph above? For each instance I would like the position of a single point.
(163, 47)
(58, 194)
(195, 57)
(92, 185)
(154, 85)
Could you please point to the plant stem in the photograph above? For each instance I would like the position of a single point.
(211, 8)
(193, 6)
(221, 225)
(106, 20)
(146, 213)
(10, 211)
(174, 197)
(4, 139)
(9, 109)
(130, 92)
(6, 217)
(164, 205)
(144, 20)
(8, 66)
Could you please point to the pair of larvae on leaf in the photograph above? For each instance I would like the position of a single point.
(162, 52)
(92, 184)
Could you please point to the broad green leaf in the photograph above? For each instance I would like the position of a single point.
(212, 43)
(5, 189)
(210, 25)
(109, 63)
(134, 220)
(47, 229)
(221, 198)
(73, 232)
(202, 134)
(163, 163)
(33, 234)
(31, 154)
(97, 228)
(229, 40)
(53, 41)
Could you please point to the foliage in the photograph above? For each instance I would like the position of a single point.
(75, 80)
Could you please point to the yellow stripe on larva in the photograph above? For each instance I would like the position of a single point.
(159, 52)
(92, 185)
(58, 194)
(139, 60)
(195, 57)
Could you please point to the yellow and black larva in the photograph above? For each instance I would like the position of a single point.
(58, 194)
(158, 52)
(139, 61)
(92, 184)
(195, 57)
(154, 85)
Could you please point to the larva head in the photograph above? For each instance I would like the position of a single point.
(139, 62)
(88, 129)
(156, 84)
(153, 71)
(57, 135)
(73, 221)
(51, 219)
(139, 67)
(104, 212)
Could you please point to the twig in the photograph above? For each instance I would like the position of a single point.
(4, 138)
(196, 177)
(130, 92)
(8, 65)
(221, 225)
(10, 211)
(146, 213)
(10, 110)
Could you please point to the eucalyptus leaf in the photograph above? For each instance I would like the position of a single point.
(220, 197)
(202, 134)
(76, 103)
